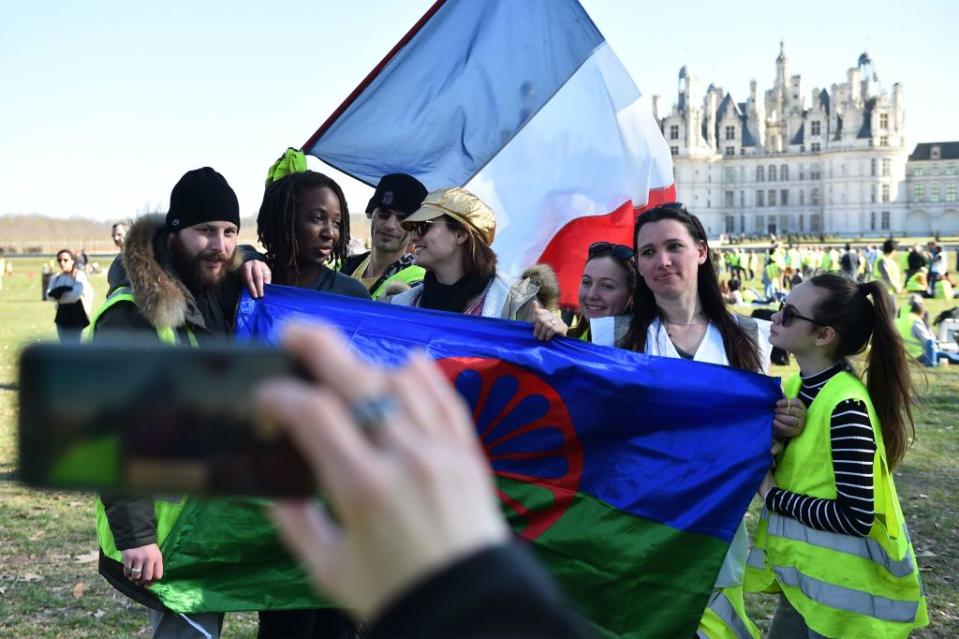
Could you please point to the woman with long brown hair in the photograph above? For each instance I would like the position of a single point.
(832, 538)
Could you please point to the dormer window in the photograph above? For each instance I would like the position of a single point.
(935, 153)
(814, 127)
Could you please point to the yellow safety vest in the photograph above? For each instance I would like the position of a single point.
(892, 270)
(842, 585)
(913, 285)
(942, 289)
(167, 510)
(904, 324)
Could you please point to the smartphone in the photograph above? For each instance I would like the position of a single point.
(140, 417)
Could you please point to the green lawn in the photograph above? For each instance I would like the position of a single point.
(48, 581)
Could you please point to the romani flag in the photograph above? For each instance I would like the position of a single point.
(522, 103)
(628, 474)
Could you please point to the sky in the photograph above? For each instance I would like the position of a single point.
(104, 105)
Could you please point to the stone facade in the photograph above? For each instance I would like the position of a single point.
(832, 161)
(932, 184)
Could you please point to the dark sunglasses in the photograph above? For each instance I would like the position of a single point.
(619, 251)
(420, 228)
(64, 259)
(788, 313)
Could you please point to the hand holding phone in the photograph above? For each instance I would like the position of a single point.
(408, 481)
(140, 417)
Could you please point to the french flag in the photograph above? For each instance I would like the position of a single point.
(523, 104)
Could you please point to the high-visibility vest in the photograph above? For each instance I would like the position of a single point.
(842, 585)
(725, 615)
(904, 324)
(942, 289)
(409, 275)
(892, 270)
(914, 284)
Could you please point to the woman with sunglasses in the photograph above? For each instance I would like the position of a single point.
(452, 232)
(73, 294)
(832, 539)
(605, 290)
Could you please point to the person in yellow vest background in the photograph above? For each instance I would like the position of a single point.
(944, 287)
(389, 264)
(832, 540)
(886, 268)
(918, 339)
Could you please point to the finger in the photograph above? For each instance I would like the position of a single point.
(320, 426)
(447, 407)
(536, 305)
(148, 571)
(407, 385)
(158, 569)
(326, 356)
(312, 537)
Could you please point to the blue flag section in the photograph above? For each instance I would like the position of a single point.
(681, 443)
(457, 89)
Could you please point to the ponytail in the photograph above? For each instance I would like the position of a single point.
(847, 308)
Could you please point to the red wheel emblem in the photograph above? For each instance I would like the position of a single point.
(528, 436)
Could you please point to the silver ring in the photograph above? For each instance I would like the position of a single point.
(371, 413)
(136, 571)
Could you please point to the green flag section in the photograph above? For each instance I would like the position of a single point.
(224, 555)
(629, 576)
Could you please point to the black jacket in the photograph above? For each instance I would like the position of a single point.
(162, 299)
(497, 593)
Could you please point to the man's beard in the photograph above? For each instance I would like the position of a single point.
(191, 268)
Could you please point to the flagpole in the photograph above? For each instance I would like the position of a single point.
(372, 74)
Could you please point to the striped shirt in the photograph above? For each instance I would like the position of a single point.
(853, 450)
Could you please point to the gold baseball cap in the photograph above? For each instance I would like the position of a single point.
(459, 204)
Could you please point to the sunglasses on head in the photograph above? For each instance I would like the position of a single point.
(788, 313)
(619, 251)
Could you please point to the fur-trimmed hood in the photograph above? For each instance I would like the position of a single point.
(161, 297)
(544, 277)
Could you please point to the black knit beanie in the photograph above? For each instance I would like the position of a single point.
(202, 195)
(398, 192)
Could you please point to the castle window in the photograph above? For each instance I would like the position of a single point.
(730, 199)
(950, 194)
(760, 176)
(933, 192)
(883, 120)
(814, 127)
(872, 220)
(674, 132)
(802, 197)
(885, 220)
(872, 167)
(814, 198)
(784, 197)
(771, 196)
(885, 192)
(950, 168)
(742, 199)
(815, 171)
(883, 140)
(760, 201)
(935, 153)
(814, 147)
(784, 172)
(759, 224)
(771, 173)
(730, 150)
(918, 171)
(886, 166)
(802, 171)
(674, 150)
(919, 193)
(730, 133)
(815, 223)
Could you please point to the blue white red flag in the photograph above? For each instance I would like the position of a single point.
(628, 473)
(525, 105)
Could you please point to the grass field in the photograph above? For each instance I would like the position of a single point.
(49, 586)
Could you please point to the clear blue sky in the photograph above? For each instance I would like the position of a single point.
(105, 104)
